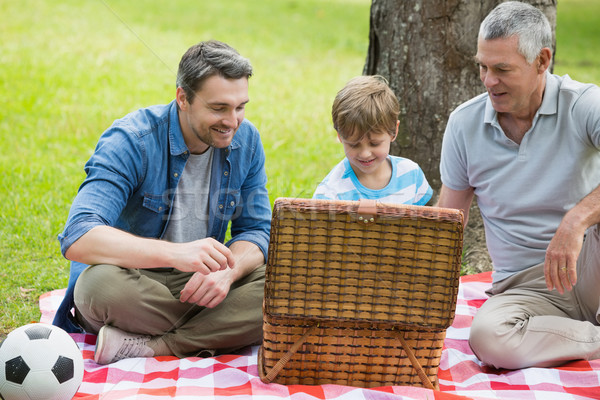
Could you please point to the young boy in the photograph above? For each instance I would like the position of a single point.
(365, 116)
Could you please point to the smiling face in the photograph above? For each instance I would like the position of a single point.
(215, 113)
(513, 85)
(368, 157)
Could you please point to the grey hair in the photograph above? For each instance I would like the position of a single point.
(207, 59)
(525, 21)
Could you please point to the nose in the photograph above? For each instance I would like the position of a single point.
(365, 152)
(232, 119)
(489, 79)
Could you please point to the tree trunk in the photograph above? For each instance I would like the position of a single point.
(425, 49)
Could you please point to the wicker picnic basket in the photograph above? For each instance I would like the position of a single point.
(358, 293)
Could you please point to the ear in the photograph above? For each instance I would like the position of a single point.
(544, 60)
(181, 99)
(396, 133)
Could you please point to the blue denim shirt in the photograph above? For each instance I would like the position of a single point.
(132, 177)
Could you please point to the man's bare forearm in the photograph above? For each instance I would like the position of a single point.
(108, 245)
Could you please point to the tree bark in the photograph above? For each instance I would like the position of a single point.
(425, 49)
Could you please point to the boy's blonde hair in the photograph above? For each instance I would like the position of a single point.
(364, 105)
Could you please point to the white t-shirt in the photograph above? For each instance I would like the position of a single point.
(189, 217)
(408, 184)
(523, 191)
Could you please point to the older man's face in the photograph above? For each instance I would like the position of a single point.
(514, 85)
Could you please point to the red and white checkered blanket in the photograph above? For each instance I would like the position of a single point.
(233, 377)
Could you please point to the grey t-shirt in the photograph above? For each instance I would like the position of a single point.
(189, 217)
(523, 191)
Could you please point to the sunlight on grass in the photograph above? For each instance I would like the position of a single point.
(69, 68)
(578, 40)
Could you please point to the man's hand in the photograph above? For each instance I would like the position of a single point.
(210, 290)
(207, 290)
(560, 265)
(203, 256)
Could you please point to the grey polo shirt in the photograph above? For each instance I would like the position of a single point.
(523, 191)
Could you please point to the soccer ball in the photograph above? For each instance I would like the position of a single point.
(39, 362)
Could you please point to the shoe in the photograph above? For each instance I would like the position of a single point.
(206, 353)
(114, 345)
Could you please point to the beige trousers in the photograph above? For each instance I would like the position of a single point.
(147, 302)
(524, 325)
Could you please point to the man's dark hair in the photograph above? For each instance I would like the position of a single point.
(207, 59)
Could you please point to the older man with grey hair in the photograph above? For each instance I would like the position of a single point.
(529, 149)
(150, 273)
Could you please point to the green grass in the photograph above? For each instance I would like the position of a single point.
(69, 68)
(578, 40)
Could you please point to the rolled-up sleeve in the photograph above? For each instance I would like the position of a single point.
(253, 224)
(112, 174)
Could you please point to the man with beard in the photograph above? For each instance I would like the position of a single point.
(150, 273)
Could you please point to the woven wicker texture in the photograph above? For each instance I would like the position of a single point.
(364, 278)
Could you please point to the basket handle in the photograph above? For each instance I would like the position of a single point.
(415, 363)
(272, 374)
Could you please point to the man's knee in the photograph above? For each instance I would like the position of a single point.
(480, 338)
(100, 286)
(496, 344)
(251, 286)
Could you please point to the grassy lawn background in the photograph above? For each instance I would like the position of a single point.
(69, 68)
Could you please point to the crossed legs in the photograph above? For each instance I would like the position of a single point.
(526, 325)
(147, 302)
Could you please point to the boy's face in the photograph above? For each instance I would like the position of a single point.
(368, 154)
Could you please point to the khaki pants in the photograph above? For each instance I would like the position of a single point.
(523, 324)
(147, 302)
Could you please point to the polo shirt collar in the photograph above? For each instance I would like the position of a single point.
(550, 101)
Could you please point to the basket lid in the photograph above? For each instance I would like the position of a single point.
(379, 263)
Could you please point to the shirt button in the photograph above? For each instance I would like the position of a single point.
(232, 203)
(175, 174)
(225, 173)
(159, 208)
(220, 206)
